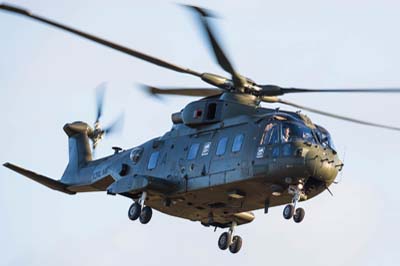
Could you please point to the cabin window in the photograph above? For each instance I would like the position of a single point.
(221, 148)
(237, 143)
(153, 160)
(206, 149)
(194, 148)
(270, 135)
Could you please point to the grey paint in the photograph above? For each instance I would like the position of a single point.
(201, 186)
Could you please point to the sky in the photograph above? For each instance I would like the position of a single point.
(48, 78)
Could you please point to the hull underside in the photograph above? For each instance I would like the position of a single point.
(214, 206)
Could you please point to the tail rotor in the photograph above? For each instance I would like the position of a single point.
(98, 133)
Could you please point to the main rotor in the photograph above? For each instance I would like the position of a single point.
(236, 83)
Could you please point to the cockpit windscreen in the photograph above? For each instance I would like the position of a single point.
(293, 131)
(325, 138)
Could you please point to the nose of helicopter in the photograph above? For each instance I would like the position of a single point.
(323, 164)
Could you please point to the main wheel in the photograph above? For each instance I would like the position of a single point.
(236, 244)
(145, 215)
(299, 215)
(224, 240)
(288, 211)
(134, 211)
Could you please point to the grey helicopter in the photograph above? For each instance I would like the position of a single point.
(224, 157)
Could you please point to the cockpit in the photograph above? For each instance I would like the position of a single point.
(285, 129)
(290, 145)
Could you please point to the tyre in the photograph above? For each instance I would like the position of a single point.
(236, 244)
(288, 211)
(134, 211)
(224, 240)
(145, 215)
(299, 215)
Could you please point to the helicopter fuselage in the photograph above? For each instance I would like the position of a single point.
(216, 171)
(224, 156)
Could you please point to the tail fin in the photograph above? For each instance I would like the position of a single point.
(48, 182)
(79, 150)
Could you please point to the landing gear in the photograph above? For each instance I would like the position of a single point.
(236, 244)
(134, 211)
(290, 210)
(226, 240)
(138, 210)
(145, 215)
(299, 215)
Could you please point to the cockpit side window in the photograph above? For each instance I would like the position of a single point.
(292, 131)
(270, 135)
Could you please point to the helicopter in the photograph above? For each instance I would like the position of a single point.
(224, 156)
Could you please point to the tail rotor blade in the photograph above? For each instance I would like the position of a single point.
(100, 91)
(116, 126)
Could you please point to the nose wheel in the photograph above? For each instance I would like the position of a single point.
(226, 240)
(290, 210)
(138, 210)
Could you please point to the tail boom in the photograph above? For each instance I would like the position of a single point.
(46, 181)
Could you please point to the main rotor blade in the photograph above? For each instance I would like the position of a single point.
(349, 119)
(123, 49)
(221, 57)
(273, 90)
(360, 90)
(199, 92)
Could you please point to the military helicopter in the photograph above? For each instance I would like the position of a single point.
(224, 156)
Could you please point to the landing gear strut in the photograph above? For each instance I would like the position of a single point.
(138, 210)
(290, 210)
(226, 240)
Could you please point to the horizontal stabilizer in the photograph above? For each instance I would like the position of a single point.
(48, 182)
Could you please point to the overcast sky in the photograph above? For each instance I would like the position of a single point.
(47, 78)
